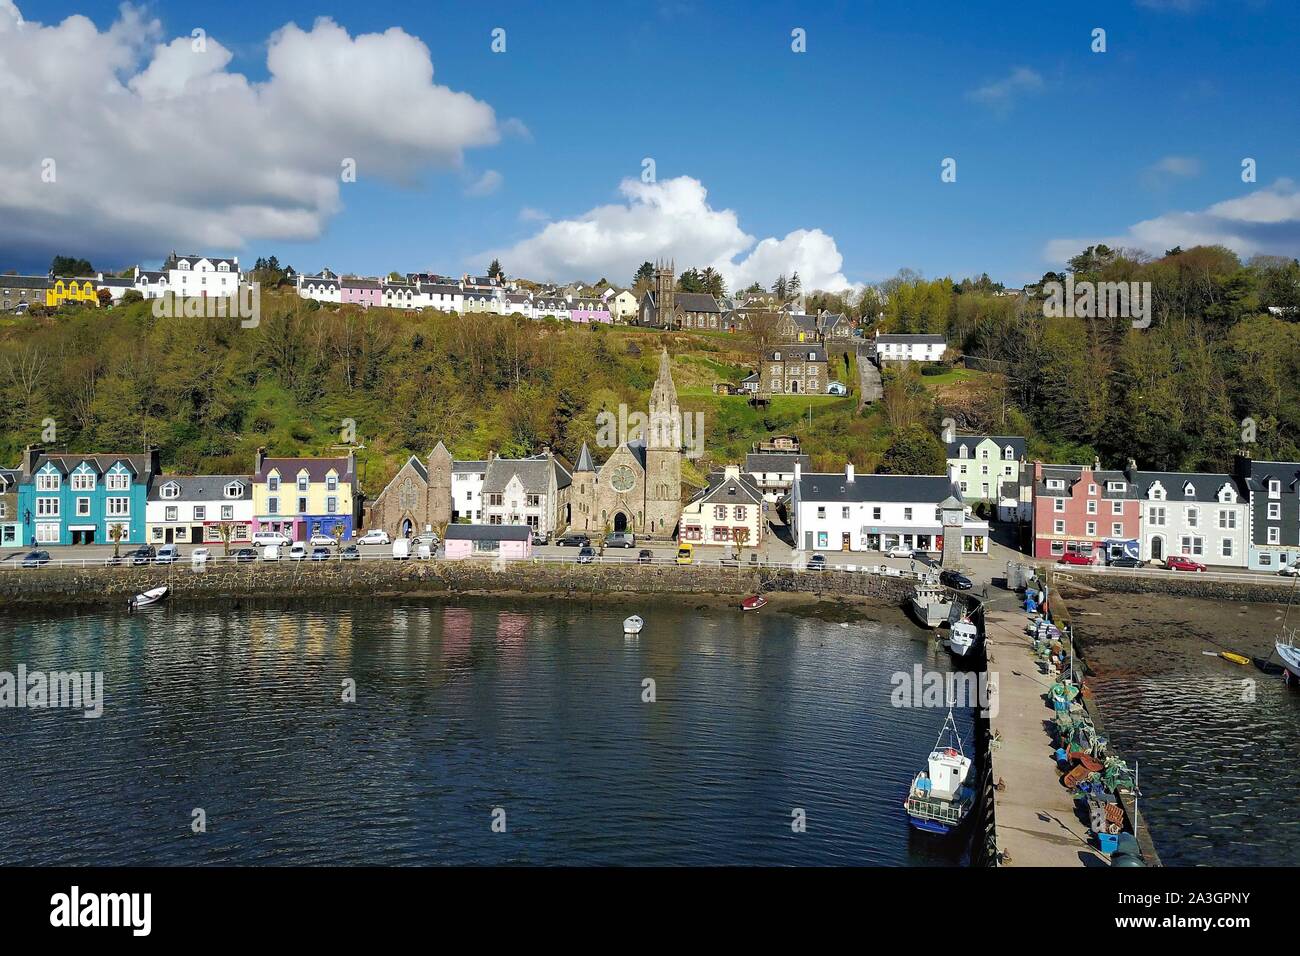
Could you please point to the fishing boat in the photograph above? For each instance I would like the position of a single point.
(939, 800)
(145, 598)
(753, 602)
(930, 604)
(963, 637)
(633, 624)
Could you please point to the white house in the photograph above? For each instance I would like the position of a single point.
(1205, 517)
(201, 275)
(621, 303)
(910, 348)
(193, 508)
(467, 491)
(323, 288)
(151, 285)
(443, 296)
(399, 295)
(843, 511)
(773, 472)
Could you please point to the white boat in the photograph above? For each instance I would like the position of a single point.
(939, 800)
(633, 625)
(930, 604)
(152, 596)
(1290, 655)
(963, 637)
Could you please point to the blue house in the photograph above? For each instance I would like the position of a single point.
(66, 499)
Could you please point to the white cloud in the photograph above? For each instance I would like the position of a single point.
(671, 219)
(1000, 94)
(486, 184)
(1266, 220)
(529, 214)
(1179, 166)
(158, 146)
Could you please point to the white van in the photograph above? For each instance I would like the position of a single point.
(271, 552)
(261, 538)
(401, 549)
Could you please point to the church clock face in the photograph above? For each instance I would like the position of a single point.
(622, 480)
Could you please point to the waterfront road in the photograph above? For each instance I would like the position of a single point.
(1037, 823)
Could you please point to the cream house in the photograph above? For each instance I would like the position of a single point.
(730, 507)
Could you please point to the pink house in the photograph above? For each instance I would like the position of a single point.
(1084, 510)
(510, 542)
(589, 310)
(365, 292)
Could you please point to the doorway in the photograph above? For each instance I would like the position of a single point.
(1157, 548)
(845, 540)
(620, 522)
(407, 527)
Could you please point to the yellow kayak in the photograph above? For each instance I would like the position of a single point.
(1235, 658)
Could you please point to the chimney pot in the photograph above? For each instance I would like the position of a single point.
(848, 471)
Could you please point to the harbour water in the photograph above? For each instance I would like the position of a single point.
(1217, 761)
(529, 713)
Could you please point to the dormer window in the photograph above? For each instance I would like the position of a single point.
(273, 483)
(171, 490)
(118, 481)
(303, 481)
(964, 452)
(1157, 493)
(1274, 488)
(1008, 454)
(183, 266)
(1115, 486)
(1056, 484)
(1189, 491)
(48, 481)
(234, 490)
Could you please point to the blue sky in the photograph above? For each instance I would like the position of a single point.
(1052, 141)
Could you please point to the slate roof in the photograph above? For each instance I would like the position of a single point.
(439, 288)
(795, 352)
(534, 474)
(201, 487)
(1287, 472)
(722, 488)
(9, 478)
(362, 284)
(328, 283)
(173, 261)
(316, 468)
(487, 532)
(835, 487)
(24, 282)
(1071, 474)
(101, 463)
(971, 442)
(775, 461)
(689, 301)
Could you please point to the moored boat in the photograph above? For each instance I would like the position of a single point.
(930, 604)
(1290, 655)
(939, 801)
(753, 602)
(145, 598)
(633, 624)
(963, 637)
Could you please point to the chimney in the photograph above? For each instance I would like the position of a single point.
(798, 471)
(848, 472)
(155, 466)
(30, 456)
(731, 472)
(1096, 463)
(258, 459)
(1038, 471)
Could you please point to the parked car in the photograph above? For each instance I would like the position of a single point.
(620, 539)
(685, 553)
(375, 536)
(837, 388)
(1290, 570)
(1126, 561)
(263, 538)
(319, 540)
(297, 551)
(322, 553)
(245, 556)
(586, 555)
(900, 551)
(168, 554)
(350, 553)
(1074, 557)
(271, 552)
(817, 562)
(645, 556)
(401, 549)
(36, 559)
(200, 555)
(574, 541)
(1179, 562)
(144, 554)
(955, 580)
(541, 537)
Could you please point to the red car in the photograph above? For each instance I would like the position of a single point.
(1074, 557)
(1176, 562)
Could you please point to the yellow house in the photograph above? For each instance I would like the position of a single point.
(305, 496)
(63, 289)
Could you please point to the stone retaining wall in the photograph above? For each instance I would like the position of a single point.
(113, 585)
(1265, 590)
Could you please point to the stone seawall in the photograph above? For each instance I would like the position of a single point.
(1263, 590)
(113, 585)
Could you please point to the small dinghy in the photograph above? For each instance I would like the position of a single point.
(939, 800)
(753, 602)
(145, 598)
(633, 625)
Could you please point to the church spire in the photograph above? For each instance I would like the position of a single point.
(584, 459)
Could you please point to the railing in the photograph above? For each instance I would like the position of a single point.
(1219, 577)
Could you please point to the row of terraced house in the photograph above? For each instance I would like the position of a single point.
(57, 498)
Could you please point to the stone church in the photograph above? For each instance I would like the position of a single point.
(417, 497)
(639, 487)
(663, 307)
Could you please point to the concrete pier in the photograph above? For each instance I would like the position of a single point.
(1037, 824)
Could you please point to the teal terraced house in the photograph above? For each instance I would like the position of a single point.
(81, 499)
